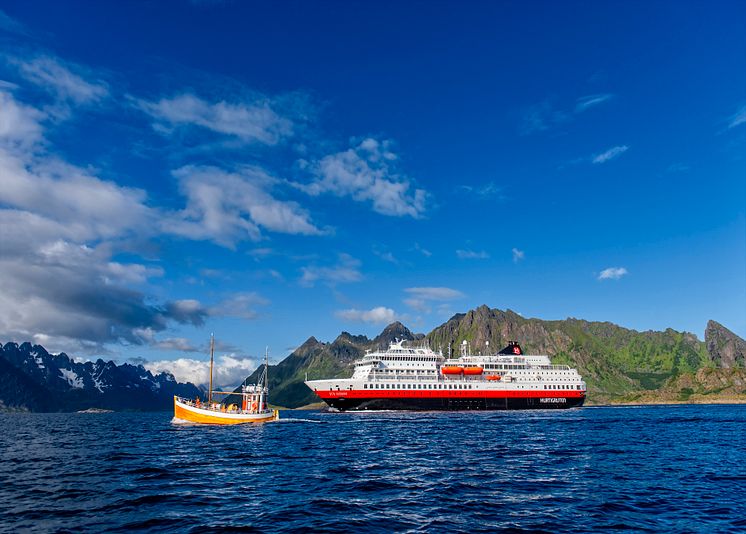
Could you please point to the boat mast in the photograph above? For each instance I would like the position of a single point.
(212, 359)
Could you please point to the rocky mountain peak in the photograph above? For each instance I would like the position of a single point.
(392, 332)
(725, 348)
(307, 345)
(31, 378)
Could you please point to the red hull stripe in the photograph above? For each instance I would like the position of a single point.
(446, 394)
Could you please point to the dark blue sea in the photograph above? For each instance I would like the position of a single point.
(653, 468)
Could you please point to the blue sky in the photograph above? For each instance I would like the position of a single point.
(274, 170)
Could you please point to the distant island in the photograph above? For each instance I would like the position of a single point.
(620, 366)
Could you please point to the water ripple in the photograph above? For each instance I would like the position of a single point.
(647, 469)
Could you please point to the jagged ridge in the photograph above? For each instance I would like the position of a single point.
(618, 364)
(34, 380)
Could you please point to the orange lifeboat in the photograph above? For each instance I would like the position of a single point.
(493, 377)
(473, 370)
(451, 370)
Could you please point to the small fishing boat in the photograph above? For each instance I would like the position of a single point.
(253, 407)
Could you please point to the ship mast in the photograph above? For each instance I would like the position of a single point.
(212, 359)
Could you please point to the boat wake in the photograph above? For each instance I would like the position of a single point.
(297, 420)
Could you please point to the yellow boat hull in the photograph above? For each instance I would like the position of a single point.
(192, 414)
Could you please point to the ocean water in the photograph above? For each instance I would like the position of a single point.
(653, 468)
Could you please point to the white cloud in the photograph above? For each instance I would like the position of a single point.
(346, 270)
(385, 255)
(738, 118)
(420, 297)
(518, 255)
(229, 370)
(367, 173)
(58, 78)
(435, 293)
(612, 273)
(230, 207)
(240, 305)
(610, 154)
(58, 223)
(180, 344)
(19, 124)
(251, 121)
(472, 254)
(487, 190)
(586, 102)
(375, 315)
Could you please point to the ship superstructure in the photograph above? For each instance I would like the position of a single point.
(417, 378)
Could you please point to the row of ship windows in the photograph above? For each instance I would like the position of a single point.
(417, 386)
(412, 371)
(399, 359)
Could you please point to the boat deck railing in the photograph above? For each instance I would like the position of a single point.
(217, 407)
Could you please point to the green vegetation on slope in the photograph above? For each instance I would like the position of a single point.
(618, 364)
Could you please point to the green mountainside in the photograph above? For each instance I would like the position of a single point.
(618, 364)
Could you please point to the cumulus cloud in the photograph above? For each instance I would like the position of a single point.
(228, 207)
(610, 154)
(54, 197)
(346, 270)
(518, 255)
(472, 254)
(19, 125)
(612, 273)
(421, 297)
(376, 315)
(64, 80)
(58, 281)
(738, 118)
(253, 121)
(367, 173)
(229, 370)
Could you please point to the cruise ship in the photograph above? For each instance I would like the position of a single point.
(417, 378)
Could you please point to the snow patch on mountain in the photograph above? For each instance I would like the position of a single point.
(73, 379)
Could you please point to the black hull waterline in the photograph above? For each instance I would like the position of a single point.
(454, 404)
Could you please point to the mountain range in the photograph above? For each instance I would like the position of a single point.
(619, 365)
(31, 379)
